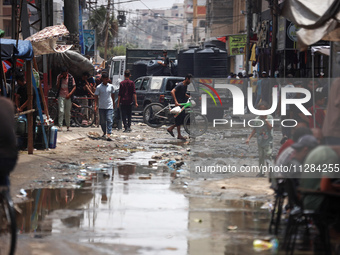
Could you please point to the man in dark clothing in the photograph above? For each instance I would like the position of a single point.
(8, 148)
(165, 63)
(179, 94)
(21, 99)
(266, 89)
(86, 86)
(127, 93)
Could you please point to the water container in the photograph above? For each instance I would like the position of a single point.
(154, 68)
(186, 61)
(139, 69)
(53, 137)
(216, 43)
(210, 62)
(21, 125)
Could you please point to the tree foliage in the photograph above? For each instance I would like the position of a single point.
(115, 51)
(97, 21)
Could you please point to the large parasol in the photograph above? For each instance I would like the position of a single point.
(45, 41)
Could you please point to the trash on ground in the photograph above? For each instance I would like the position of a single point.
(23, 192)
(262, 245)
(144, 177)
(232, 228)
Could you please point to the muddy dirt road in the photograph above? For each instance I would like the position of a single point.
(90, 196)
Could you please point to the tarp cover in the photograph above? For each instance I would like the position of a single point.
(318, 20)
(75, 62)
(325, 50)
(23, 51)
(45, 41)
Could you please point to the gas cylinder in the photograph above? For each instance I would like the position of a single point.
(53, 137)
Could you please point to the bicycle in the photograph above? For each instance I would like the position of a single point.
(195, 124)
(82, 115)
(8, 228)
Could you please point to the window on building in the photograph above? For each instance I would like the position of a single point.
(166, 27)
(202, 23)
(7, 28)
(7, 2)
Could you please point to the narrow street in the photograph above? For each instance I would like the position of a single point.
(91, 196)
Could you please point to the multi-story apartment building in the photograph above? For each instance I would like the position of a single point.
(194, 22)
(6, 17)
(157, 28)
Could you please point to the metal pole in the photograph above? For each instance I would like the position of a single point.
(30, 131)
(273, 48)
(284, 65)
(248, 7)
(71, 20)
(330, 62)
(314, 111)
(107, 28)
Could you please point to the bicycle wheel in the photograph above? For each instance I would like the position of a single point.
(195, 124)
(8, 234)
(84, 116)
(154, 115)
(53, 112)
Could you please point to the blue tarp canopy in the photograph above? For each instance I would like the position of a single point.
(23, 51)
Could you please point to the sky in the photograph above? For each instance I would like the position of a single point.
(138, 4)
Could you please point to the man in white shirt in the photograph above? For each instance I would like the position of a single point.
(104, 100)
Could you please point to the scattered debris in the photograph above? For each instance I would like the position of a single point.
(23, 192)
(231, 228)
(144, 177)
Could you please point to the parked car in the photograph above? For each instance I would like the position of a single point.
(156, 89)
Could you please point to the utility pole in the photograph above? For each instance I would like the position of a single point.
(274, 13)
(71, 20)
(107, 28)
(248, 17)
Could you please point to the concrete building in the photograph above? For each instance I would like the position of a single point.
(157, 28)
(6, 17)
(194, 22)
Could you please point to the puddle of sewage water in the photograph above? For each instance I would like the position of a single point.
(119, 208)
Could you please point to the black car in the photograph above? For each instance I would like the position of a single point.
(155, 89)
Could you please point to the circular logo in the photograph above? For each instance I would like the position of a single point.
(291, 32)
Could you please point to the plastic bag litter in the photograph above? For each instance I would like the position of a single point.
(176, 110)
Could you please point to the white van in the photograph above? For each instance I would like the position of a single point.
(117, 69)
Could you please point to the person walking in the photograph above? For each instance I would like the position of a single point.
(104, 100)
(127, 93)
(66, 86)
(264, 132)
(258, 89)
(266, 89)
(179, 94)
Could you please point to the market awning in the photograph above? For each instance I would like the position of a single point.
(45, 41)
(23, 51)
(318, 20)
